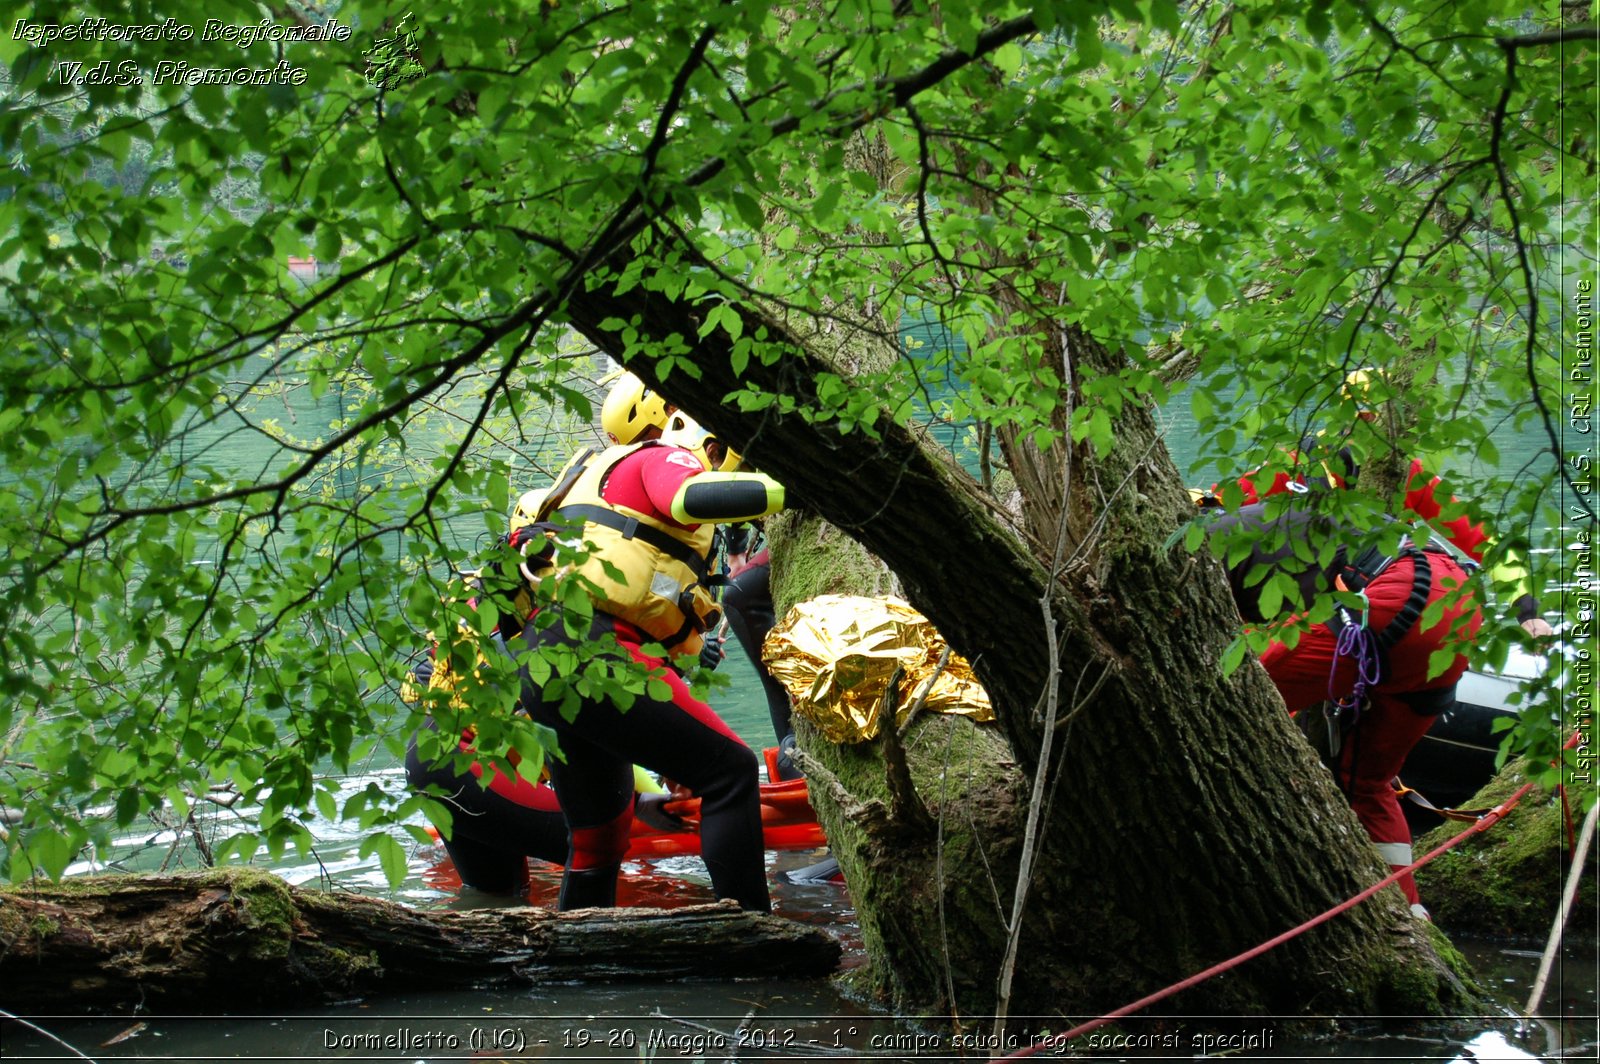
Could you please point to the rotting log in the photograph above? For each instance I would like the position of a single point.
(241, 939)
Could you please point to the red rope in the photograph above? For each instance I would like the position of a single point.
(1058, 1040)
(1566, 815)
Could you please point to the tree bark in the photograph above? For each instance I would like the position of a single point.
(1189, 820)
(240, 939)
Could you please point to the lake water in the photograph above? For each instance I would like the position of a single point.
(759, 1019)
(762, 1019)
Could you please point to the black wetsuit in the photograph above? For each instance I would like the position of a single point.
(496, 829)
(747, 601)
(680, 738)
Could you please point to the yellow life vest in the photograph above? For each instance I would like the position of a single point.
(662, 567)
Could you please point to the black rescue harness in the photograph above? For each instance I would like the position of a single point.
(1371, 650)
(1359, 574)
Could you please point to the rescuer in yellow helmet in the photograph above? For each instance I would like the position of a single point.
(644, 512)
(632, 412)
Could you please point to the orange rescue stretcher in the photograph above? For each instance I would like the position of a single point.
(787, 822)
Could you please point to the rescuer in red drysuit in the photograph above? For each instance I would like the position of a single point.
(1377, 671)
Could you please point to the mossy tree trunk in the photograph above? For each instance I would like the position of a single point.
(1188, 820)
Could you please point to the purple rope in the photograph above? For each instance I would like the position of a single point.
(1359, 642)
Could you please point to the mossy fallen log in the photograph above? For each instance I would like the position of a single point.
(1507, 880)
(242, 939)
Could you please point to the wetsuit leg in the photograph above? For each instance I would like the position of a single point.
(596, 788)
(748, 602)
(679, 737)
(493, 830)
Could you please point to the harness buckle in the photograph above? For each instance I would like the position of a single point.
(1350, 620)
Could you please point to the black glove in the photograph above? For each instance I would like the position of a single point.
(652, 810)
(711, 653)
(534, 543)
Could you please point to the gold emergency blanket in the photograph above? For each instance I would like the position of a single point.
(836, 653)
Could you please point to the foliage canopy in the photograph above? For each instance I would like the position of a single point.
(229, 490)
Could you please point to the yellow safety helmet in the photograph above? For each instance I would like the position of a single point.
(631, 409)
(1358, 384)
(684, 431)
(527, 508)
(1359, 387)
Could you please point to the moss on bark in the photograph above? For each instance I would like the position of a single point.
(1508, 879)
(952, 883)
(239, 938)
(811, 557)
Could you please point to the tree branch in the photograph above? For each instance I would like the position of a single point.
(1561, 36)
(669, 108)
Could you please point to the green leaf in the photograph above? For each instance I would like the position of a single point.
(498, 492)
(1233, 656)
(748, 209)
(1441, 660)
(391, 857)
(51, 850)
(1271, 598)
(731, 322)
(327, 807)
(823, 207)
